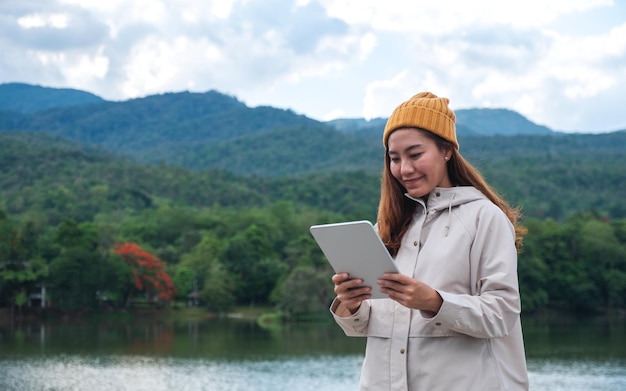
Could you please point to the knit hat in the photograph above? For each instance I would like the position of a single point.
(425, 111)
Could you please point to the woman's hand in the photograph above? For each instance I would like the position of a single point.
(350, 292)
(410, 292)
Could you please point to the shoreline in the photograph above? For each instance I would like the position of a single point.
(244, 313)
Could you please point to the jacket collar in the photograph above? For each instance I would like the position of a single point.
(447, 198)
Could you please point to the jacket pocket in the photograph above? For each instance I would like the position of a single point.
(381, 318)
(468, 364)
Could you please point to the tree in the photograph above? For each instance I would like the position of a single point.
(148, 271)
(79, 270)
(305, 291)
(20, 267)
(218, 289)
(214, 283)
(20, 299)
(605, 260)
(184, 279)
(251, 259)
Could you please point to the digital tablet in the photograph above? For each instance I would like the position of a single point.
(354, 247)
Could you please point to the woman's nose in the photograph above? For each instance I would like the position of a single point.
(406, 167)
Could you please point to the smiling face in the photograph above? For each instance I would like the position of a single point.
(417, 162)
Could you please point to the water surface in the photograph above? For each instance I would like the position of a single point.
(231, 354)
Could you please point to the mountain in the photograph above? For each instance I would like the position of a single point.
(187, 115)
(281, 152)
(41, 174)
(470, 122)
(174, 118)
(142, 126)
(374, 128)
(212, 130)
(210, 148)
(27, 98)
(548, 176)
(199, 130)
(490, 122)
(356, 125)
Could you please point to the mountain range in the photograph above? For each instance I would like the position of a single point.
(212, 129)
(203, 148)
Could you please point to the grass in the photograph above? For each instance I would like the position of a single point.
(271, 320)
(248, 312)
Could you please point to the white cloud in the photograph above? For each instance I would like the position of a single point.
(58, 21)
(334, 114)
(528, 70)
(443, 16)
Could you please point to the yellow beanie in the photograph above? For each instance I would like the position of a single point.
(425, 111)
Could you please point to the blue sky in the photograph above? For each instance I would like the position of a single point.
(560, 63)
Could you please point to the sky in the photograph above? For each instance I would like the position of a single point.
(559, 63)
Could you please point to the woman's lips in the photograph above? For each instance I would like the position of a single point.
(411, 181)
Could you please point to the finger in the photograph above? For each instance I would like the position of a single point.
(395, 285)
(355, 301)
(392, 289)
(395, 296)
(356, 293)
(351, 284)
(339, 278)
(355, 285)
(395, 277)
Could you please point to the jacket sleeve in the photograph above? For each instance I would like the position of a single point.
(356, 324)
(493, 307)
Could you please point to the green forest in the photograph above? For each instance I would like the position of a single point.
(236, 240)
(223, 222)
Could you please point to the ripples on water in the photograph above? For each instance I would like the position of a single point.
(312, 373)
(154, 374)
(554, 375)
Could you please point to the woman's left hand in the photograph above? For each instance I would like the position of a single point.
(410, 293)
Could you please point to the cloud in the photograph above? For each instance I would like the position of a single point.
(445, 16)
(559, 63)
(57, 28)
(536, 71)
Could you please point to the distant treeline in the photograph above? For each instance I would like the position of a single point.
(266, 256)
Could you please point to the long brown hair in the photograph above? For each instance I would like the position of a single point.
(395, 210)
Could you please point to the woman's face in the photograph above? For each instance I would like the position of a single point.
(417, 162)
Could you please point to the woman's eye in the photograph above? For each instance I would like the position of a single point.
(415, 155)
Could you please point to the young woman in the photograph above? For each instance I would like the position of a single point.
(452, 320)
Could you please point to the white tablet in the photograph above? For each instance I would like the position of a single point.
(354, 247)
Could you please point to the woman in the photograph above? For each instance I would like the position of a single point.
(452, 320)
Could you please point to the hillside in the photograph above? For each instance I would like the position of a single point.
(41, 174)
(211, 148)
(492, 122)
(135, 126)
(470, 122)
(48, 176)
(281, 152)
(210, 130)
(26, 98)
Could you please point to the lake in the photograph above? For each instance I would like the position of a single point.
(144, 353)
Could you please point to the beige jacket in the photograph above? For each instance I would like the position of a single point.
(462, 245)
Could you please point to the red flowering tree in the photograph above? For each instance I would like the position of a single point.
(148, 271)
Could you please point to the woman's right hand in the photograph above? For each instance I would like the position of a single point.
(350, 292)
